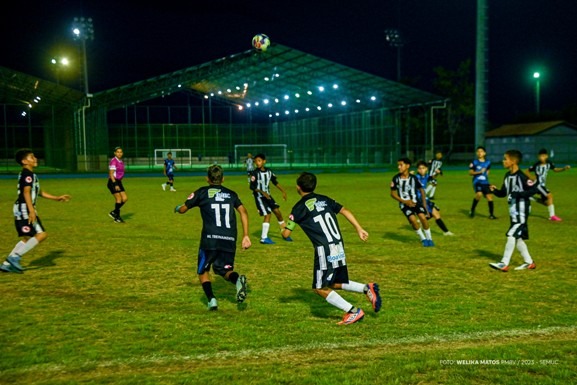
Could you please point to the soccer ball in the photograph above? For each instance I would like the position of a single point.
(260, 42)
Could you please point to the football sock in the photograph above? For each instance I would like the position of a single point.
(430, 191)
(551, 209)
(265, 227)
(428, 233)
(117, 207)
(491, 207)
(336, 300)
(233, 277)
(441, 224)
(29, 245)
(354, 287)
(17, 248)
(420, 234)
(207, 287)
(475, 202)
(509, 248)
(522, 247)
(281, 224)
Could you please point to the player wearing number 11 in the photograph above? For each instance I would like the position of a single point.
(219, 233)
(317, 215)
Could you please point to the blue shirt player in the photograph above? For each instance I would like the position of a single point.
(169, 169)
(479, 169)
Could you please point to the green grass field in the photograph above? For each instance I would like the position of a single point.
(106, 303)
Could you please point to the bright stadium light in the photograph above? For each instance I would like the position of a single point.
(537, 76)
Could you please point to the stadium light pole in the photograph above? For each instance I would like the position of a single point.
(58, 63)
(537, 76)
(395, 40)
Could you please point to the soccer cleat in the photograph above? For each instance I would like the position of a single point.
(212, 304)
(7, 268)
(526, 266)
(172, 189)
(288, 239)
(351, 318)
(267, 241)
(118, 219)
(499, 266)
(163, 187)
(241, 289)
(112, 215)
(374, 296)
(492, 217)
(448, 233)
(555, 218)
(14, 261)
(471, 214)
(431, 243)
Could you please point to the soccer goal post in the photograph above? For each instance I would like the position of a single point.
(275, 153)
(181, 156)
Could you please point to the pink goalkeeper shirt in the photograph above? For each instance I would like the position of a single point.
(118, 166)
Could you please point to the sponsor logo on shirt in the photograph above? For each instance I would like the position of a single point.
(217, 194)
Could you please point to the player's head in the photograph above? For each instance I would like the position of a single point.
(22, 155)
(512, 157)
(214, 174)
(169, 155)
(481, 152)
(307, 182)
(438, 154)
(403, 164)
(422, 167)
(118, 152)
(260, 160)
(543, 155)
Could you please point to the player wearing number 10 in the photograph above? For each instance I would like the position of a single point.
(219, 233)
(317, 215)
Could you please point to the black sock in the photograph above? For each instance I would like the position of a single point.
(475, 202)
(442, 225)
(491, 207)
(207, 287)
(233, 277)
(117, 207)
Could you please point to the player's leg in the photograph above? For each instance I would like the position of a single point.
(436, 213)
(548, 201)
(281, 221)
(490, 203)
(528, 263)
(371, 290)
(32, 235)
(323, 280)
(415, 224)
(171, 183)
(204, 262)
(512, 234)
(224, 266)
(426, 228)
(476, 199)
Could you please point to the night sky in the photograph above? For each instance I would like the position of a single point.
(135, 41)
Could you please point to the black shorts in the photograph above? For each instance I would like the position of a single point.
(112, 186)
(330, 276)
(518, 230)
(170, 176)
(265, 206)
(484, 188)
(415, 210)
(221, 261)
(26, 229)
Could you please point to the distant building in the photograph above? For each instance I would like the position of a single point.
(558, 137)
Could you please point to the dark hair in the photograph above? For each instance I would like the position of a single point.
(543, 151)
(168, 153)
(405, 161)
(422, 163)
(515, 155)
(22, 154)
(215, 174)
(117, 148)
(481, 148)
(307, 182)
(260, 155)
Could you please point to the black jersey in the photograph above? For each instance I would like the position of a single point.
(541, 170)
(407, 188)
(217, 207)
(261, 180)
(317, 216)
(518, 188)
(26, 179)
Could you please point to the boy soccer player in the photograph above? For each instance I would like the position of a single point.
(479, 170)
(219, 233)
(169, 169)
(260, 180)
(541, 168)
(404, 187)
(434, 171)
(115, 186)
(26, 220)
(423, 175)
(249, 162)
(517, 187)
(317, 215)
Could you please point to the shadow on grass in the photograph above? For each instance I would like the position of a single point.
(487, 254)
(319, 306)
(224, 291)
(45, 261)
(399, 237)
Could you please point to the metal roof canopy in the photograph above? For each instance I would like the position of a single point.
(281, 82)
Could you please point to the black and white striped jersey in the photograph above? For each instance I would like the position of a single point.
(435, 165)
(26, 178)
(406, 187)
(261, 180)
(541, 170)
(518, 188)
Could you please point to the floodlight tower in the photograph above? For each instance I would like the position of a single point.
(58, 63)
(482, 70)
(83, 30)
(395, 40)
(536, 76)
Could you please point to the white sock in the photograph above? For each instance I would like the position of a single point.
(428, 233)
(420, 234)
(281, 224)
(336, 300)
(265, 227)
(551, 209)
(17, 248)
(30, 244)
(509, 248)
(522, 247)
(354, 287)
(430, 190)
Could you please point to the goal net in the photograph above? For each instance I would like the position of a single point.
(276, 154)
(181, 156)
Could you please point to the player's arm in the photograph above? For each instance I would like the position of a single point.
(424, 201)
(246, 243)
(529, 175)
(501, 193)
(395, 196)
(181, 209)
(288, 229)
(113, 179)
(283, 191)
(363, 234)
(27, 193)
(560, 169)
(60, 198)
